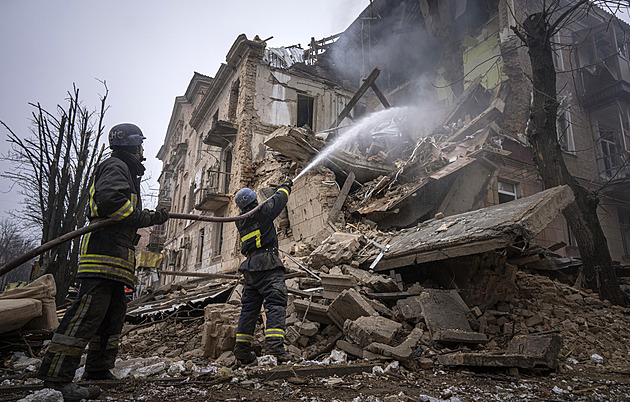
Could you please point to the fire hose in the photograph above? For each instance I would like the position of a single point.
(9, 266)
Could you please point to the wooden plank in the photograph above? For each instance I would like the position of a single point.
(199, 274)
(380, 96)
(341, 198)
(282, 372)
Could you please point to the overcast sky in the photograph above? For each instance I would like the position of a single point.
(146, 51)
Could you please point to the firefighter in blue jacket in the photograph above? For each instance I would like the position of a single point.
(106, 267)
(263, 273)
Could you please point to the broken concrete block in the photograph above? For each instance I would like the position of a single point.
(219, 329)
(425, 363)
(444, 312)
(534, 320)
(335, 284)
(381, 308)
(382, 284)
(409, 309)
(339, 248)
(365, 330)
(349, 305)
(350, 348)
(307, 328)
(400, 352)
(360, 275)
(292, 335)
(544, 347)
(314, 311)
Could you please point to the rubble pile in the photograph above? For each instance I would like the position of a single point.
(171, 338)
(348, 311)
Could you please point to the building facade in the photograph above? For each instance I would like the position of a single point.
(464, 75)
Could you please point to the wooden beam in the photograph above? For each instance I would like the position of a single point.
(341, 198)
(199, 274)
(367, 83)
(380, 96)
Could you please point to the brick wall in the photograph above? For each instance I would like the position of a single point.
(309, 205)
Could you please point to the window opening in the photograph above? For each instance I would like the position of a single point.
(218, 238)
(233, 100)
(305, 111)
(564, 128)
(508, 191)
(556, 46)
(200, 246)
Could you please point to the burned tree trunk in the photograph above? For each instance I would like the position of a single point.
(541, 131)
(55, 169)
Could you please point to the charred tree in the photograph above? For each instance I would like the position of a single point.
(53, 168)
(14, 242)
(536, 32)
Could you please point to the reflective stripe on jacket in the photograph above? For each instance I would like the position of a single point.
(110, 252)
(258, 234)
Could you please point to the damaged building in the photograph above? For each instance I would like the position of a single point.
(417, 237)
(434, 97)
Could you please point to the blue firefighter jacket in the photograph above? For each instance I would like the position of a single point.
(259, 240)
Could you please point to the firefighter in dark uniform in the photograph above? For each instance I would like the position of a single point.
(106, 267)
(263, 273)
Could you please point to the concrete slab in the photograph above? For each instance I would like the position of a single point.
(477, 231)
(525, 351)
(543, 347)
(410, 309)
(444, 312)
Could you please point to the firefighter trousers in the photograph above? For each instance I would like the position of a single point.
(268, 288)
(96, 319)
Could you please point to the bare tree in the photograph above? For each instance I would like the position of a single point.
(536, 32)
(53, 168)
(13, 243)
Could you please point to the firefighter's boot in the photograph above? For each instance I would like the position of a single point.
(73, 392)
(244, 353)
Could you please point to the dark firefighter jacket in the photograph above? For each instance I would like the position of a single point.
(115, 193)
(259, 241)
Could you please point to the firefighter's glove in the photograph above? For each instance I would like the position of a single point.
(145, 219)
(159, 217)
(288, 183)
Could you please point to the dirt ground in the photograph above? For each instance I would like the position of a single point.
(590, 383)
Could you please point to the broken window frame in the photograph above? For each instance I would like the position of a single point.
(603, 47)
(564, 127)
(217, 241)
(571, 239)
(612, 141)
(503, 192)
